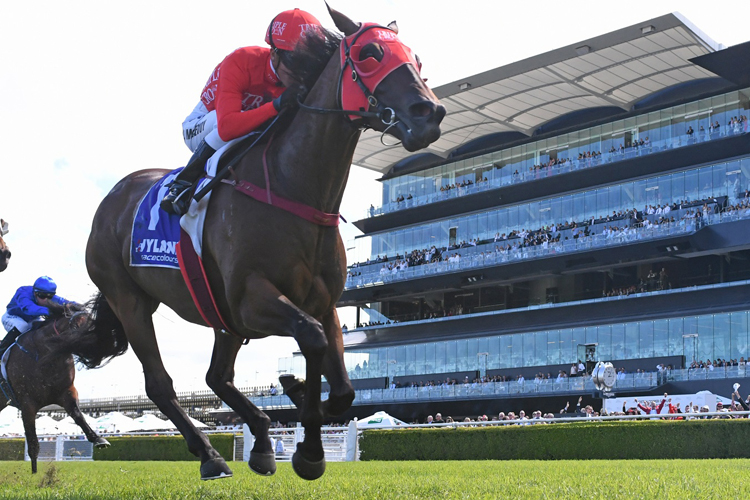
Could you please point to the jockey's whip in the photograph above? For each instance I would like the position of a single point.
(224, 172)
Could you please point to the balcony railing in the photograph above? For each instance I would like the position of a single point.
(473, 259)
(528, 388)
(571, 165)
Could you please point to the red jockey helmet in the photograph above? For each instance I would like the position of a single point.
(287, 28)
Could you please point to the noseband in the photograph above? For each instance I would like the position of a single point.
(385, 114)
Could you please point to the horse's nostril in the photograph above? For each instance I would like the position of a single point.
(423, 109)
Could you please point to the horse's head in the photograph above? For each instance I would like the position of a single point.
(4, 255)
(381, 74)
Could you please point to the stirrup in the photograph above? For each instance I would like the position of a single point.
(176, 190)
(181, 204)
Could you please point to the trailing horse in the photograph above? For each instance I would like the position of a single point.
(40, 366)
(271, 271)
(4, 255)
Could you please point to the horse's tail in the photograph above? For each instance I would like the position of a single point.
(101, 338)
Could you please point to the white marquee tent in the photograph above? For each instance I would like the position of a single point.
(150, 422)
(114, 422)
(379, 420)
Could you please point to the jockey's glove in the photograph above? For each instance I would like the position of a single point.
(289, 98)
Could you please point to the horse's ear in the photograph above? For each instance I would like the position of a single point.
(393, 27)
(343, 23)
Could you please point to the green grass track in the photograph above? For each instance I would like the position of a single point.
(627, 479)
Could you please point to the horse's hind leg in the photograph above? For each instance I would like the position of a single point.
(70, 403)
(136, 320)
(220, 378)
(268, 311)
(28, 415)
(342, 393)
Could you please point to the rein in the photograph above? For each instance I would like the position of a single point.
(386, 115)
(35, 355)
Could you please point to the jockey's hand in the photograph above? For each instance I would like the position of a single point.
(290, 98)
(73, 307)
(55, 309)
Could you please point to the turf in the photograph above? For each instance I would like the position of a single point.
(662, 479)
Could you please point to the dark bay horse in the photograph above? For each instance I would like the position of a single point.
(41, 365)
(270, 271)
(4, 255)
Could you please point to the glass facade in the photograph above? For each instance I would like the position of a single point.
(728, 179)
(722, 335)
(660, 130)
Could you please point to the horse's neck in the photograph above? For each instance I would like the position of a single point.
(311, 159)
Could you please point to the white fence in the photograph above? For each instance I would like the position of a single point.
(59, 448)
(339, 443)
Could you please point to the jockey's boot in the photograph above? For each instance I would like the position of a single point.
(177, 201)
(9, 339)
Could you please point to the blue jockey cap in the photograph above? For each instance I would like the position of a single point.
(45, 284)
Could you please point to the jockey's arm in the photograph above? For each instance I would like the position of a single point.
(232, 122)
(67, 305)
(25, 301)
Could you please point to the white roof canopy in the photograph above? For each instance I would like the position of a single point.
(616, 69)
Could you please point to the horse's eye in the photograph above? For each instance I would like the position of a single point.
(373, 50)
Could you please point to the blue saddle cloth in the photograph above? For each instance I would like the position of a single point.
(155, 232)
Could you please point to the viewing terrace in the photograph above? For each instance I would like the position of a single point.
(640, 382)
(491, 254)
(707, 120)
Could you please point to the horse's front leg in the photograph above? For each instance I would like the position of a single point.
(268, 311)
(70, 403)
(28, 416)
(220, 378)
(342, 393)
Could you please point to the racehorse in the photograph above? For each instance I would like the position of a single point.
(41, 365)
(4, 255)
(272, 272)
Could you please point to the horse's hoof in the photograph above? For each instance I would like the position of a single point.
(216, 468)
(293, 388)
(262, 463)
(307, 469)
(101, 443)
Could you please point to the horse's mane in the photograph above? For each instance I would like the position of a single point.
(308, 60)
(98, 337)
(311, 55)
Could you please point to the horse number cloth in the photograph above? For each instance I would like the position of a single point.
(155, 233)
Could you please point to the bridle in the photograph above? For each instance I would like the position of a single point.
(386, 115)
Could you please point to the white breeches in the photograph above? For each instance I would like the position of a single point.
(201, 125)
(10, 321)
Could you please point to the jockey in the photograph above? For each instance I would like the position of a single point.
(248, 88)
(27, 305)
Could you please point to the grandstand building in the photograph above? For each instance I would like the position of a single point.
(588, 204)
